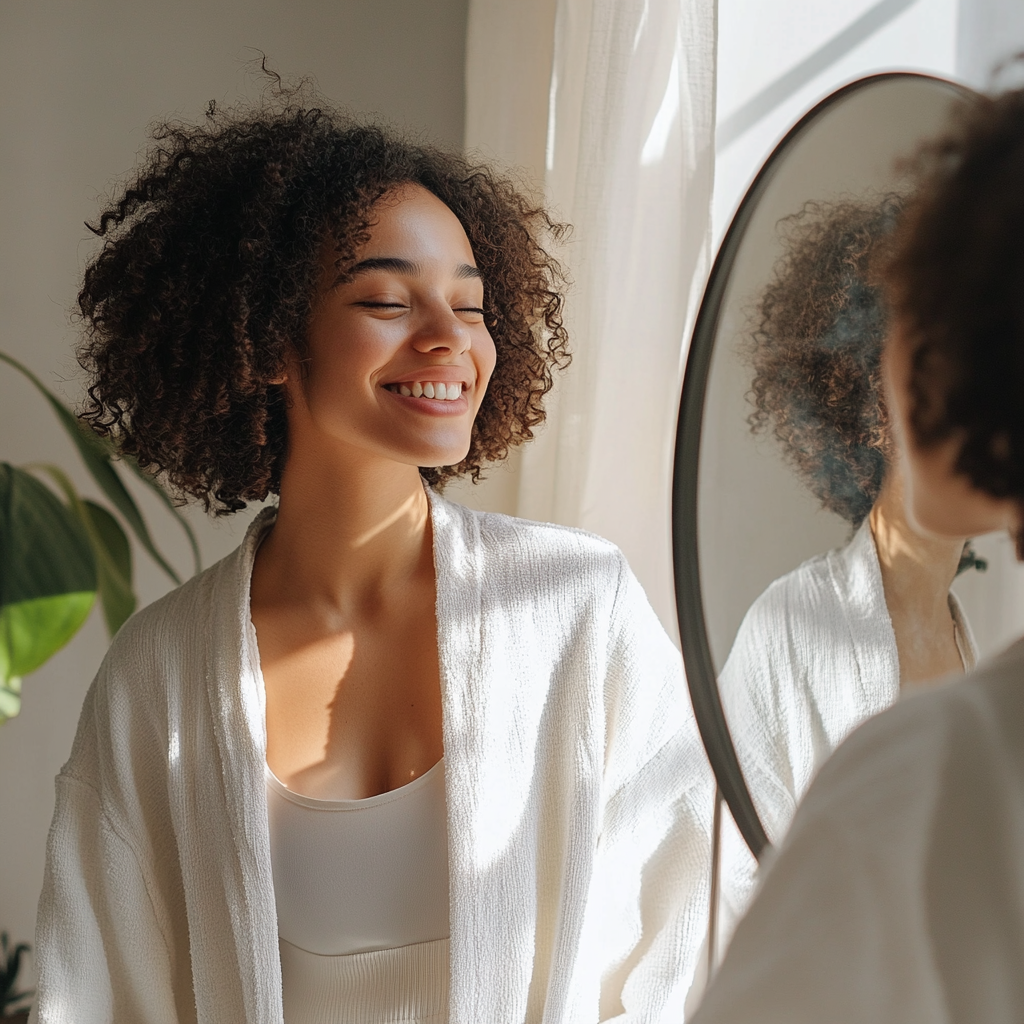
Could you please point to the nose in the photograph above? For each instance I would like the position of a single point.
(442, 333)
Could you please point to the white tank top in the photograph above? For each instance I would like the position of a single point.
(361, 888)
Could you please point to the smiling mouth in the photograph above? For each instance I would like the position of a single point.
(437, 390)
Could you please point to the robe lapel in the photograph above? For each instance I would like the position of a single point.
(491, 937)
(457, 569)
(236, 801)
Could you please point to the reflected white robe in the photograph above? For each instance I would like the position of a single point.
(814, 657)
(898, 894)
(578, 800)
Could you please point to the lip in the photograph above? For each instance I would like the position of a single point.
(436, 375)
(430, 406)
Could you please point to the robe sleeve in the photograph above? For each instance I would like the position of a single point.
(104, 930)
(892, 886)
(652, 870)
(754, 685)
(809, 948)
(101, 953)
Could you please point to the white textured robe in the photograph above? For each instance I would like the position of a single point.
(897, 896)
(814, 657)
(578, 800)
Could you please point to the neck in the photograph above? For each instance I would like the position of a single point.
(916, 574)
(917, 570)
(347, 527)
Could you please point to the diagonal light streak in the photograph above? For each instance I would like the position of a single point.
(870, 22)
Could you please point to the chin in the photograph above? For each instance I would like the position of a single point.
(940, 526)
(955, 519)
(438, 460)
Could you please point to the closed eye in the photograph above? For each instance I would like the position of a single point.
(367, 304)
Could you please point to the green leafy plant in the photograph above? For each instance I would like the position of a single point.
(58, 551)
(10, 966)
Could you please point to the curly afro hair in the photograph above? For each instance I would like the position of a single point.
(212, 260)
(955, 283)
(815, 350)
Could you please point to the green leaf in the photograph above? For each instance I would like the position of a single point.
(110, 547)
(10, 697)
(31, 632)
(97, 455)
(116, 591)
(10, 965)
(47, 579)
(44, 549)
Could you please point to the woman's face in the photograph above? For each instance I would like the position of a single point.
(939, 500)
(399, 355)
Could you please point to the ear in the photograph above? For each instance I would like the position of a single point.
(281, 377)
(289, 369)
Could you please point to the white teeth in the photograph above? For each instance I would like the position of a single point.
(439, 391)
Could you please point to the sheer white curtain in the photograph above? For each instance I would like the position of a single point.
(608, 106)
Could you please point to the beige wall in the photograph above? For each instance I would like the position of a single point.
(80, 82)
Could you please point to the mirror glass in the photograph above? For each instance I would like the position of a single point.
(794, 454)
(757, 516)
(795, 484)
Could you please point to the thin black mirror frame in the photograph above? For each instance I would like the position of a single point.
(700, 671)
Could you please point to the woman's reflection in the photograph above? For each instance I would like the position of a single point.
(833, 641)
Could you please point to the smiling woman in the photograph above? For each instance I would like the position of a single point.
(411, 315)
(392, 759)
(248, 208)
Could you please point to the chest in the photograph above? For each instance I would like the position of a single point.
(353, 703)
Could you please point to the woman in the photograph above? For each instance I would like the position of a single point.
(839, 638)
(392, 759)
(896, 896)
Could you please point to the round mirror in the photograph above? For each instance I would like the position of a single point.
(783, 455)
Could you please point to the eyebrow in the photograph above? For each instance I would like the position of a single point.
(398, 265)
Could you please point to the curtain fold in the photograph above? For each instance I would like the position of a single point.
(627, 137)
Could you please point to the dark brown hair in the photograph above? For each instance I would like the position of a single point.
(956, 286)
(815, 350)
(211, 263)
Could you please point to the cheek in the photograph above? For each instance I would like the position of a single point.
(924, 490)
(341, 358)
(332, 387)
(485, 356)
(944, 502)
(894, 382)
(918, 467)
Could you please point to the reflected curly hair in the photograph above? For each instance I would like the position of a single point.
(955, 283)
(815, 349)
(212, 261)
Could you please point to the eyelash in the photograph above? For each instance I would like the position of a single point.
(398, 305)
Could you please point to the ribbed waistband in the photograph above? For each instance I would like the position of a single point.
(407, 985)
